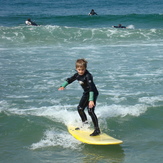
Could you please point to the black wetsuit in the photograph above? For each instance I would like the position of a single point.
(86, 82)
(29, 22)
(119, 26)
(92, 12)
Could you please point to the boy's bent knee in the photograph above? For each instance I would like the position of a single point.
(79, 108)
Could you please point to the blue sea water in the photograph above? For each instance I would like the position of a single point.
(127, 69)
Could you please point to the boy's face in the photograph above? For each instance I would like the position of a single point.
(81, 70)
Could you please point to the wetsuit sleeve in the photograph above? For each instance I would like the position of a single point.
(91, 96)
(69, 80)
(72, 78)
(64, 84)
(91, 87)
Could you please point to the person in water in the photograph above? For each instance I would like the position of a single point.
(29, 22)
(90, 93)
(92, 12)
(119, 26)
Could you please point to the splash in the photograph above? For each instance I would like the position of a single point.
(53, 138)
(121, 111)
(130, 27)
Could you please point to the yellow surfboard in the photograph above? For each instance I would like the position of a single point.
(83, 135)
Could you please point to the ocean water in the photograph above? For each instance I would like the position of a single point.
(127, 69)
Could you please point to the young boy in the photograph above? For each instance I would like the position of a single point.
(90, 94)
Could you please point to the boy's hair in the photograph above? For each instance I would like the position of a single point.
(80, 63)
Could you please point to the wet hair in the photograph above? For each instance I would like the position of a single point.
(81, 63)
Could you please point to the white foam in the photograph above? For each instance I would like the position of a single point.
(64, 114)
(16, 96)
(53, 138)
(120, 110)
(68, 114)
(3, 105)
(151, 100)
(131, 27)
(118, 99)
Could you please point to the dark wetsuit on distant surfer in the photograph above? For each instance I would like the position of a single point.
(119, 26)
(92, 12)
(29, 22)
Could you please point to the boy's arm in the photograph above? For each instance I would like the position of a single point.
(68, 81)
(91, 93)
(62, 87)
(91, 99)
(90, 83)
(91, 104)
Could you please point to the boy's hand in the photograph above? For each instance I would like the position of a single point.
(91, 104)
(61, 88)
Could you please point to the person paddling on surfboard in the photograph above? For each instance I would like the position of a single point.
(119, 26)
(90, 94)
(92, 12)
(29, 22)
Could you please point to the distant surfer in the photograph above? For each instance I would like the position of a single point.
(90, 94)
(119, 26)
(29, 22)
(92, 12)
